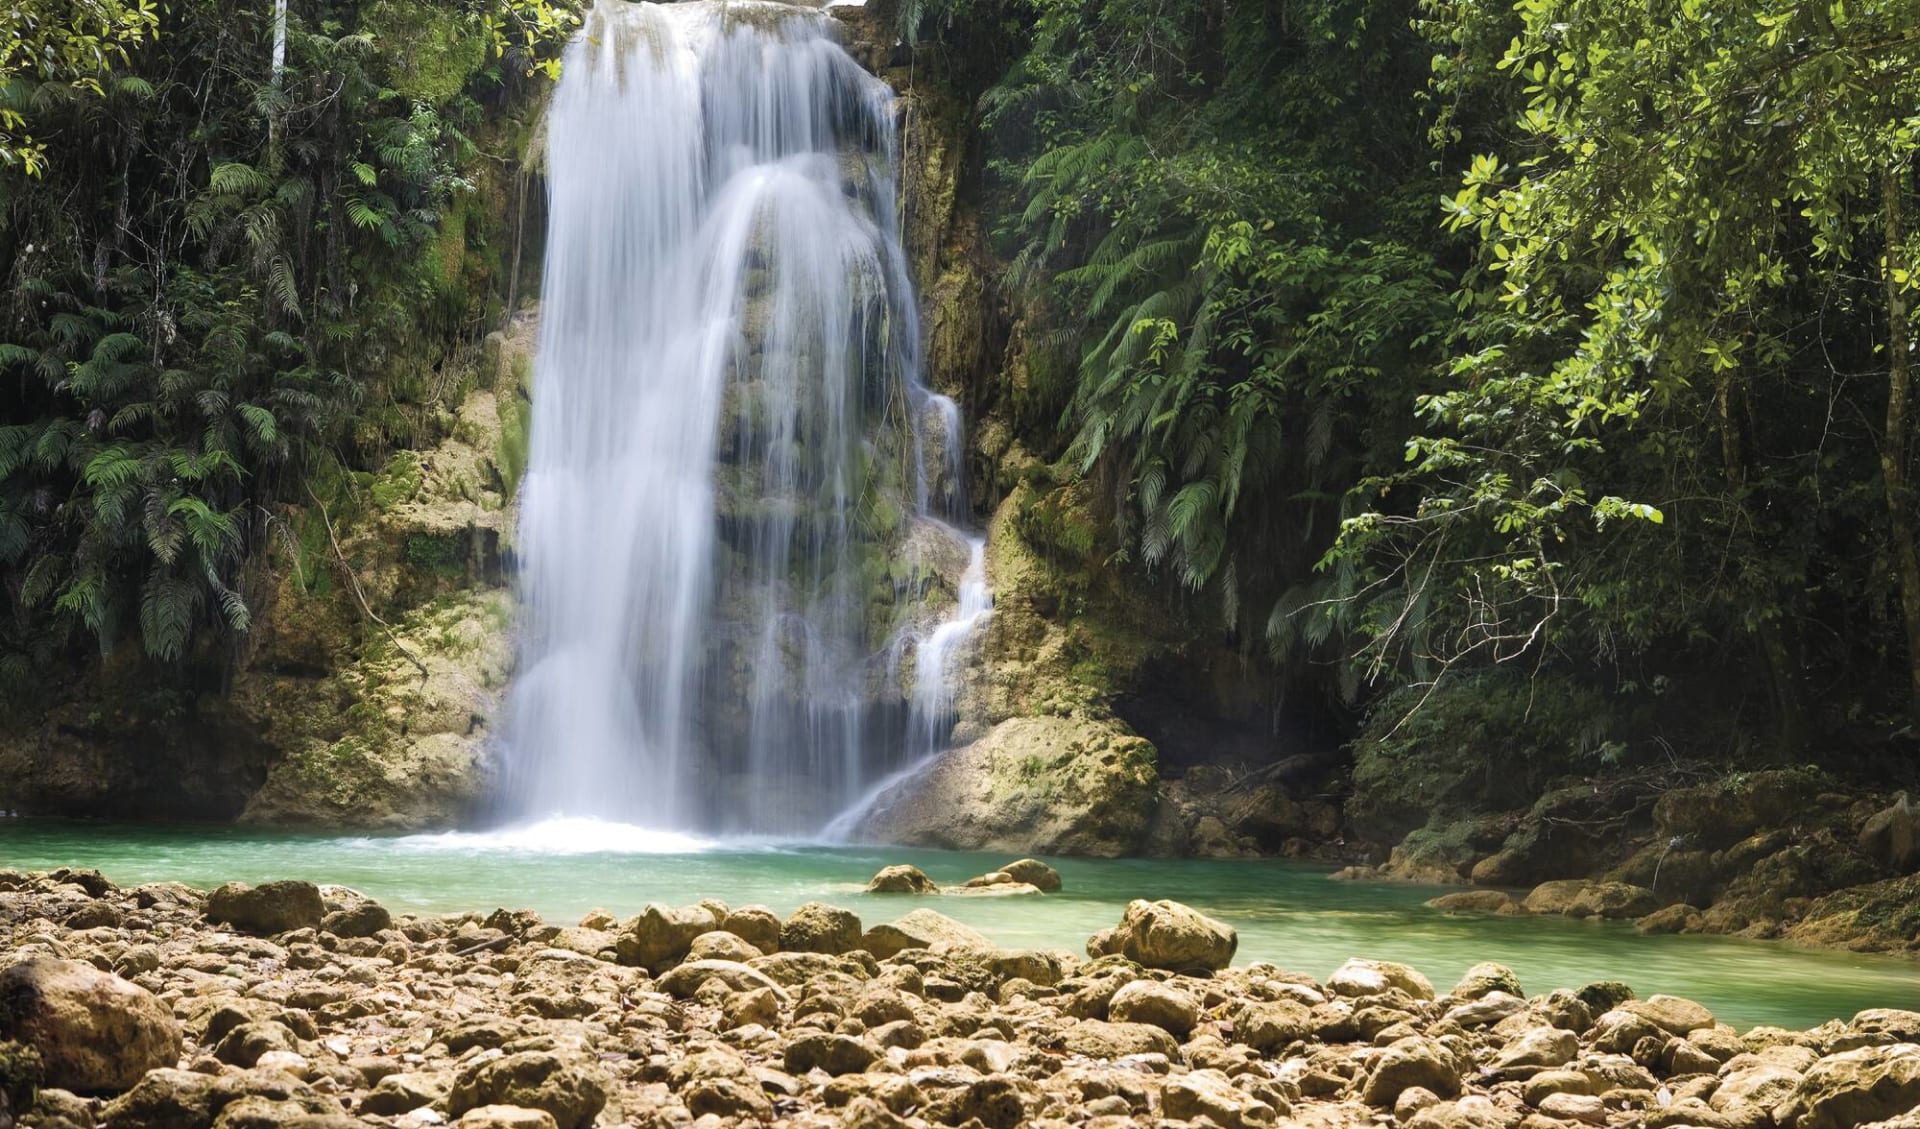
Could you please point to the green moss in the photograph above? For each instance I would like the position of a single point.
(430, 52)
(440, 555)
(399, 483)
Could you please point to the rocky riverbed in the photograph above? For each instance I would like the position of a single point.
(290, 1005)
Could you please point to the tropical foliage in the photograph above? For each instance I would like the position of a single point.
(224, 279)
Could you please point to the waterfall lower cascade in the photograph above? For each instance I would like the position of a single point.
(739, 496)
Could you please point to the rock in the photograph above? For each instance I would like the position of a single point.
(1475, 901)
(1407, 1063)
(756, 925)
(1678, 918)
(835, 1054)
(1612, 901)
(727, 1098)
(1270, 1027)
(1102, 784)
(1891, 836)
(506, 1117)
(818, 928)
(572, 1091)
(1855, 1087)
(398, 1093)
(163, 1099)
(1557, 896)
(1034, 873)
(1358, 978)
(1208, 1093)
(1486, 1011)
(1168, 935)
(1534, 1051)
(362, 919)
(1670, 1013)
(901, 880)
(660, 935)
(270, 908)
(1471, 1112)
(1487, 977)
(721, 945)
(921, 929)
(1096, 1038)
(687, 979)
(95, 1033)
(1163, 1006)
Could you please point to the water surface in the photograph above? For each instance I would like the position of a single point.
(1287, 913)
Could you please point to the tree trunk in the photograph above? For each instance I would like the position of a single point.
(1893, 447)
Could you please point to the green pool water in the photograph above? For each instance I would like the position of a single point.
(1286, 913)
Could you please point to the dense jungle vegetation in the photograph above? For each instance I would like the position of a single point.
(238, 243)
(1564, 342)
(1407, 344)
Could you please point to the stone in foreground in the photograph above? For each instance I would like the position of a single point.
(95, 1032)
(269, 908)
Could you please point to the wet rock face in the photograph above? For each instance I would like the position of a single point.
(94, 1032)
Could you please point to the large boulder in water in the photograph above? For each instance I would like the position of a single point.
(1170, 936)
(901, 880)
(272, 907)
(95, 1032)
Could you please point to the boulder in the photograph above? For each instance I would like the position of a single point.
(506, 1117)
(660, 935)
(1487, 977)
(834, 1054)
(1891, 836)
(682, 982)
(362, 919)
(573, 1091)
(1166, 934)
(1034, 873)
(272, 907)
(1557, 896)
(921, 929)
(1855, 1087)
(1410, 1062)
(721, 945)
(1270, 1027)
(95, 1032)
(818, 928)
(1612, 901)
(901, 880)
(1162, 1005)
(1360, 978)
(1670, 1013)
(756, 925)
(1209, 1094)
(163, 1099)
(1098, 1038)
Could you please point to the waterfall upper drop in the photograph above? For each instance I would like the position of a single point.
(736, 484)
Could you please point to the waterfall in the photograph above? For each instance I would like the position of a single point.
(730, 440)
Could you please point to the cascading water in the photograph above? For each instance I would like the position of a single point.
(730, 443)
